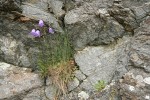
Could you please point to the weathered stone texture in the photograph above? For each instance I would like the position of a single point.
(89, 29)
(130, 3)
(36, 13)
(15, 81)
(13, 43)
(10, 5)
(140, 47)
(99, 30)
(134, 88)
(101, 63)
(124, 16)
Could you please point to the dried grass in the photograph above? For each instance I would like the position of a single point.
(61, 74)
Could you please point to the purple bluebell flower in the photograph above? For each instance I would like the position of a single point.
(50, 30)
(35, 33)
(41, 23)
(38, 33)
(32, 32)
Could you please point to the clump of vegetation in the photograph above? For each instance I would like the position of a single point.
(56, 56)
(62, 74)
(100, 85)
(56, 60)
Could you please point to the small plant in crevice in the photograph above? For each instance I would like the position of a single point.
(55, 58)
(100, 85)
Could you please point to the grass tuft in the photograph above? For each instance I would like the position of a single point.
(56, 59)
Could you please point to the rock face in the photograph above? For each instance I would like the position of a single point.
(17, 82)
(101, 63)
(89, 29)
(34, 12)
(21, 84)
(124, 16)
(10, 5)
(57, 7)
(134, 85)
(139, 54)
(13, 43)
(130, 3)
(111, 39)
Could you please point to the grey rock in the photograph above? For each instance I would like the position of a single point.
(123, 57)
(33, 56)
(96, 61)
(35, 94)
(147, 68)
(139, 12)
(83, 95)
(49, 81)
(139, 54)
(57, 7)
(133, 90)
(74, 16)
(69, 5)
(147, 80)
(75, 4)
(25, 61)
(82, 34)
(102, 13)
(13, 51)
(110, 31)
(70, 96)
(33, 12)
(50, 92)
(109, 92)
(8, 48)
(139, 79)
(16, 46)
(41, 4)
(10, 5)
(73, 84)
(87, 29)
(87, 85)
(79, 21)
(131, 3)
(79, 75)
(146, 7)
(124, 16)
(16, 81)
(130, 87)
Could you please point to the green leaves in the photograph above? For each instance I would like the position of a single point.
(55, 49)
(100, 85)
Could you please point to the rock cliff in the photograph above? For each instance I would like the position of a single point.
(111, 39)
